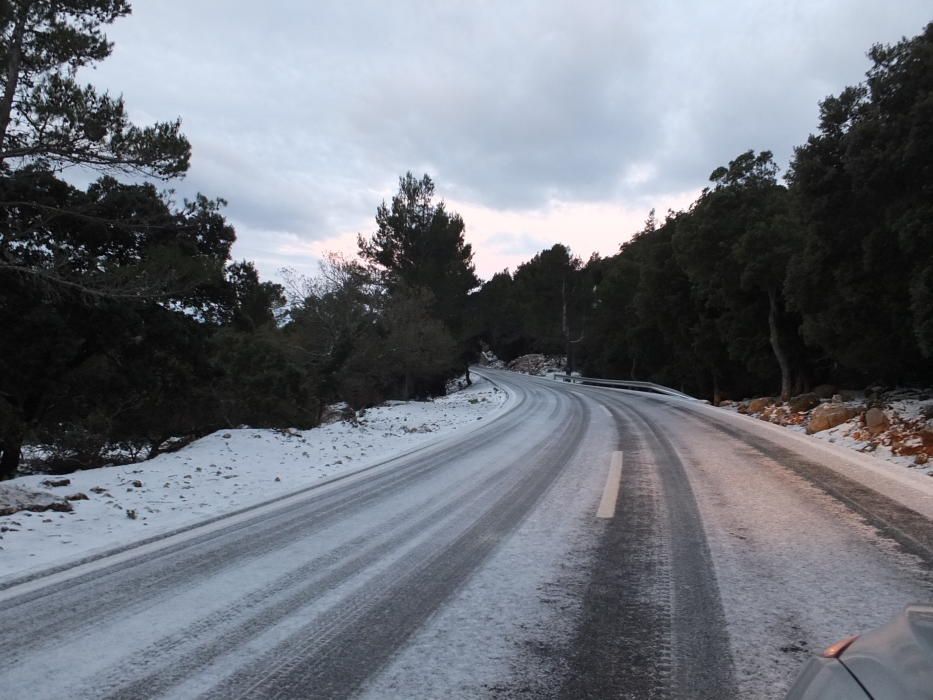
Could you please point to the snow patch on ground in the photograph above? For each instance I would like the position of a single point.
(222, 472)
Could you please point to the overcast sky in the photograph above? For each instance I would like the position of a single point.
(540, 122)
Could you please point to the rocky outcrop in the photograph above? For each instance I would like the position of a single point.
(536, 364)
(803, 402)
(760, 404)
(896, 424)
(488, 358)
(829, 415)
(16, 498)
(876, 421)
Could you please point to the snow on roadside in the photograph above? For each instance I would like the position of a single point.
(905, 437)
(222, 472)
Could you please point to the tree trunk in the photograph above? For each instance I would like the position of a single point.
(154, 448)
(10, 449)
(802, 382)
(469, 381)
(777, 346)
(565, 331)
(14, 60)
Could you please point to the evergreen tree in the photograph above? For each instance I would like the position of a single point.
(499, 314)
(418, 244)
(734, 245)
(122, 321)
(863, 277)
(48, 118)
(78, 267)
(553, 296)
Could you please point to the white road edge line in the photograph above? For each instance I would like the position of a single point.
(607, 506)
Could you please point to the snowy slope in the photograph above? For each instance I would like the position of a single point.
(223, 472)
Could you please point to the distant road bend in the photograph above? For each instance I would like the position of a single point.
(586, 543)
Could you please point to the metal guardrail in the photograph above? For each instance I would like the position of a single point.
(625, 384)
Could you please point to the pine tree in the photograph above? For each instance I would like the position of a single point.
(48, 118)
(419, 245)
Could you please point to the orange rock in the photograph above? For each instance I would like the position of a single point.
(875, 420)
(829, 415)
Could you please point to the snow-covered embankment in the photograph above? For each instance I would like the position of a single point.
(220, 473)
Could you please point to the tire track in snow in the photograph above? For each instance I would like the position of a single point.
(162, 575)
(190, 650)
(654, 604)
(334, 656)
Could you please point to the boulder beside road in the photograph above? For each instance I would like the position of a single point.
(803, 402)
(829, 415)
(760, 404)
(13, 499)
(876, 420)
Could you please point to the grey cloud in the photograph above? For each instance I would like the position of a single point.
(269, 251)
(304, 114)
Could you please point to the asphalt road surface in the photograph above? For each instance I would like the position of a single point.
(728, 552)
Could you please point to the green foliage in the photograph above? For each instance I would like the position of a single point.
(734, 245)
(544, 307)
(47, 118)
(759, 286)
(252, 304)
(500, 315)
(542, 286)
(367, 344)
(333, 318)
(107, 298)
(107, 295)
(863, 187)
(125, 323)
(418, 244)
(263, 380)
(419, 354)
(648, 322)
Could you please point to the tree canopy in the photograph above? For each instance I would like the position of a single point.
(125, 322)
(419, 246)
(763, 286)
(48, 118)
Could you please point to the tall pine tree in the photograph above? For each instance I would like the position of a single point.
(419, 245)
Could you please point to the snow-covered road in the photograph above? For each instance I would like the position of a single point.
(476, 567)
(221, 473)
(754, 548)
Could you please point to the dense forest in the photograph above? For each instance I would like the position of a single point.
(126, 323)
(763, 286)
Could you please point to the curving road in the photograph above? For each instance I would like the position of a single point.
(478, 567)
